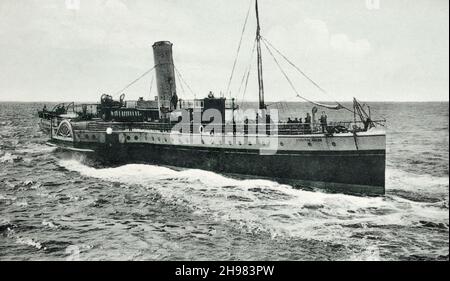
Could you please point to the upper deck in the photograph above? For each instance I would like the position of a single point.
(251, 128)
(194, 117)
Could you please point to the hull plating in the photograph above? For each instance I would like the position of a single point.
(361, 172)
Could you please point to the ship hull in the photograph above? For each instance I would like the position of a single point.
(345, 162)
(355, 172)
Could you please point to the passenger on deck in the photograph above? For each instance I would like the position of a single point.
(296, 120)
(308, 119)
(44, 109)
(174, 100)
(301, 126)
(246, 126)
(323, 121)
(289, 121)
(307, 123)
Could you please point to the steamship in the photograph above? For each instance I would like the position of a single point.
(214, 133)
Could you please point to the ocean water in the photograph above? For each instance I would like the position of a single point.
(58, 206)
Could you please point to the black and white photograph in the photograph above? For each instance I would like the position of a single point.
(224, 130)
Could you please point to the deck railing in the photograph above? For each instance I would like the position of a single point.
(239, 128)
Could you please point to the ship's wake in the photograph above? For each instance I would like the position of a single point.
(263, 206)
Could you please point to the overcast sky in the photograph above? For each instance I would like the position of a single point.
(52, 51)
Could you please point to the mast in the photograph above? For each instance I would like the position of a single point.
(260, 71)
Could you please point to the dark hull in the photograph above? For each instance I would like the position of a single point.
(360, 172)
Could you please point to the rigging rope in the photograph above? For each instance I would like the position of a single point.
(238, 49)
(134, 81)
(290, 82)
(245, 88)
(247, 69)
(151, 86)
(300, 71)
(187, 85)
(296, 67)
(339, 105)
(181, 83)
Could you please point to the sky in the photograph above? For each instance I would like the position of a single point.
(375, 50)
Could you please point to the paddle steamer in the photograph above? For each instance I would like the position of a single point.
(213, 133)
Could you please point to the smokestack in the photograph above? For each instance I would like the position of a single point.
(165, 77)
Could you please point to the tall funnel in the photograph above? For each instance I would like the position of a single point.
(165, 77)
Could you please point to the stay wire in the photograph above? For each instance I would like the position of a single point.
(185, 83)
(151, 86)
(285, 75)
(134, 81)
(247, 69)
(181, 83)
(265, 41)
(238, 49)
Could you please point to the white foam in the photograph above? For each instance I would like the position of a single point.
(263, 205)
(399, 179)
(371, 253)
(8, 158)
(7, 197)
(21, 203)
(29, 242)
(49, 224)
(37, 148)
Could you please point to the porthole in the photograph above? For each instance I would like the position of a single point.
(93, 137)
(250, 143)
(240, 143)
(309, 144)
(136, 137)
(281, 143)
(86, 136)
(128, 138)
(153, 138)
(333, 144)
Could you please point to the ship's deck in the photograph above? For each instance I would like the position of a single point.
(228, 128)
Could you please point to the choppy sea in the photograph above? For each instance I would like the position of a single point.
(56, 206)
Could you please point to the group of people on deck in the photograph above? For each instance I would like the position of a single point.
(306, 126)
(299, 121)
(60, 109)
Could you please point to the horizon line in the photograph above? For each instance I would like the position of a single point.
(249, 101)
